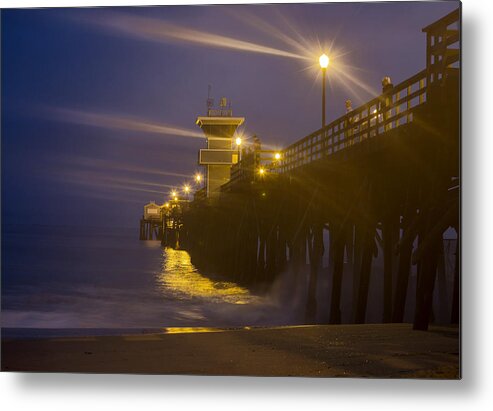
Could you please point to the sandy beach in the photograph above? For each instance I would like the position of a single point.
(380, 350)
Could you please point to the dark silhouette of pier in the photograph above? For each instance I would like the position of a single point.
(384, 176)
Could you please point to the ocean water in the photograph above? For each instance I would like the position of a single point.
(81, 279)
(88, 281)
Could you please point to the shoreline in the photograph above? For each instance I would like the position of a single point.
(369, 350)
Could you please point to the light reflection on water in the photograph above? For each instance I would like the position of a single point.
(192, 330)
(180, 278)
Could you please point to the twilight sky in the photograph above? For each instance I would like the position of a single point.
(99, 105)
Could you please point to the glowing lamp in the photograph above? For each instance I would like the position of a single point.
(277, 156)
(238, 141)
(324, 61)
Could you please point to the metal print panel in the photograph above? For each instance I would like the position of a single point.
(260, 190)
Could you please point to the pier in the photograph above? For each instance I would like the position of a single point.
(382, 180)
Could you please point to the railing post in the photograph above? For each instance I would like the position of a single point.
(398, 109)
(408, 106)
(387, 87)
(421, 87)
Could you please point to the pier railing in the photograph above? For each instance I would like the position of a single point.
(392, 109)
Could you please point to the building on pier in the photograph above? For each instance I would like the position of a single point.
(163, 222)
(152, 211)
(151, 221)
(219, 127)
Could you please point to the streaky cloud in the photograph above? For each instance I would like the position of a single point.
(97, 163)
(116, 122)
(162, 31)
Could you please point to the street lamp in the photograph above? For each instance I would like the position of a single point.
(261, 171)
(324, 63)
(238, 144)
(198, 178)
(277, 156)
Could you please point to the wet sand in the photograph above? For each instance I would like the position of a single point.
(381, 350)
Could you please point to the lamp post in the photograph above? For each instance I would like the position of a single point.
(238, 144)
(277, 161)
(186, 189)
(324, 63)
(198, 180)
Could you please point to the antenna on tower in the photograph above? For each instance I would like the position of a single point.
(210, 100)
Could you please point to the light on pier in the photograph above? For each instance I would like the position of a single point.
(238, 144)
(324, 61)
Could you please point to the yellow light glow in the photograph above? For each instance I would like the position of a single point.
(188, 330)
(277, 156)
(238, 141)
(181, 279)
(261, 171)
(198, 178)
(186, 189)
(324, 61)
(176, 198)
(173, 193)
(166, 205)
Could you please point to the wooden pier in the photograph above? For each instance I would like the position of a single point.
(385, 177)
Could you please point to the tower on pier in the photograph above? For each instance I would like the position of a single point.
(219, 127)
